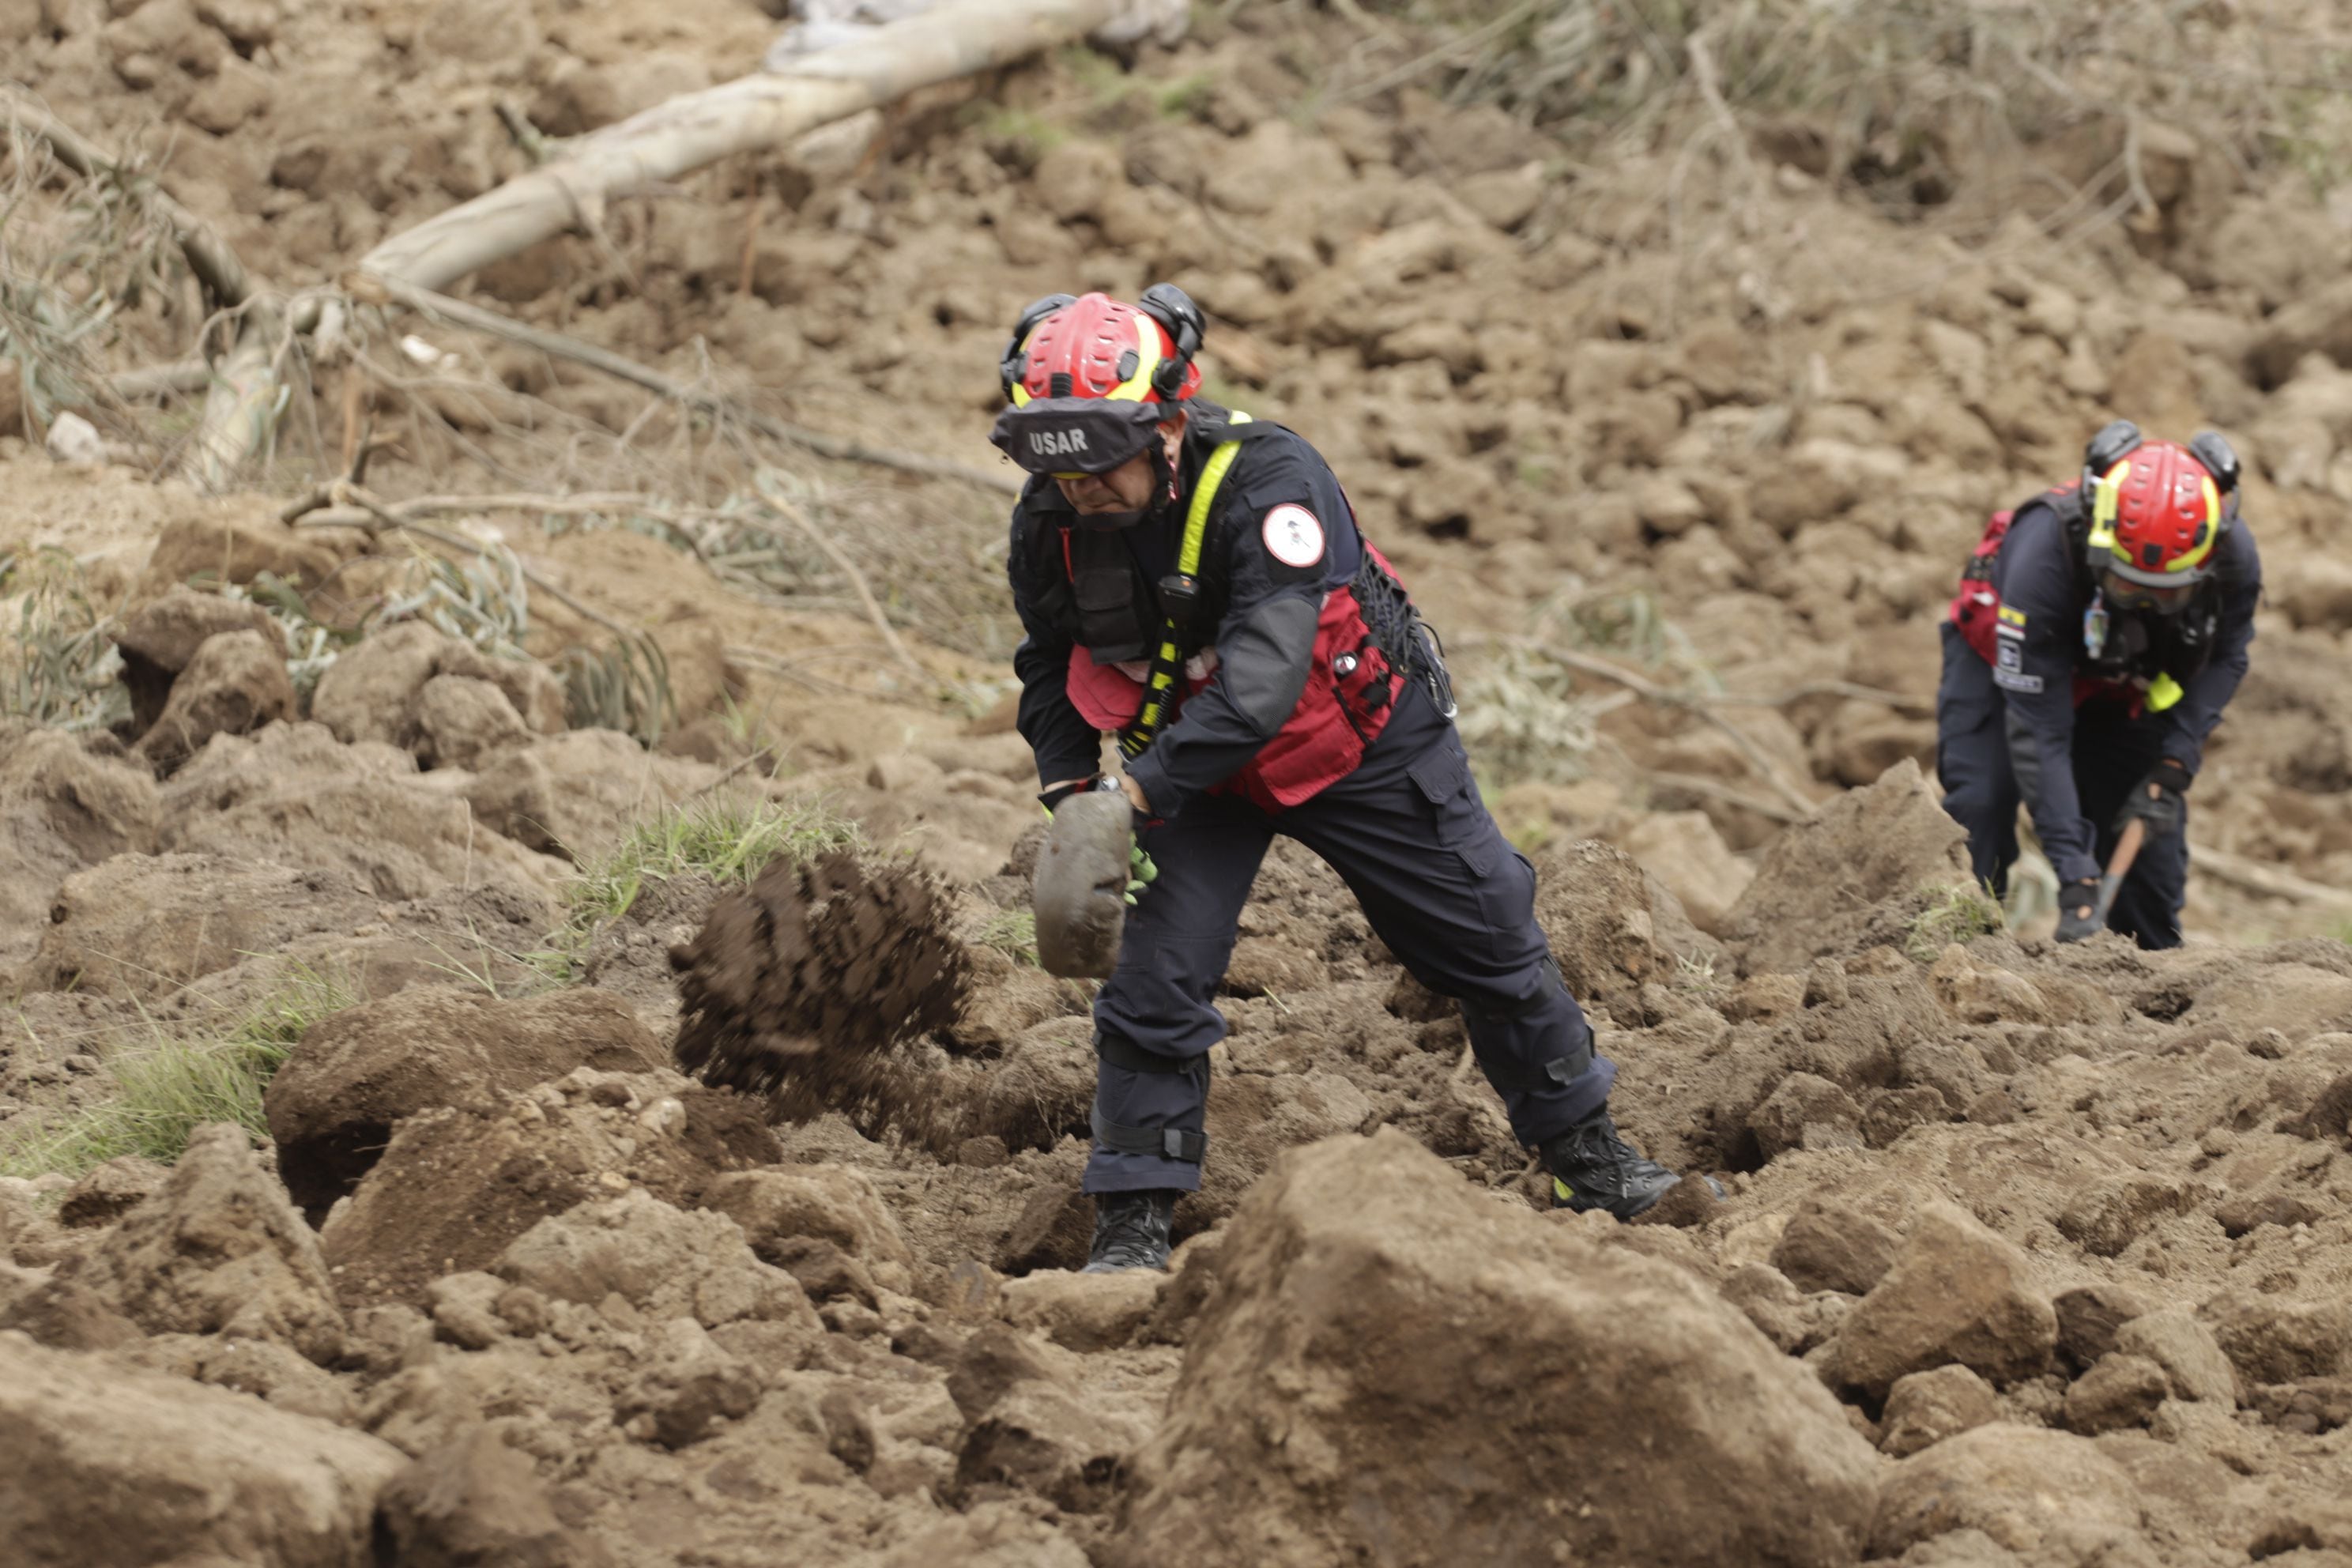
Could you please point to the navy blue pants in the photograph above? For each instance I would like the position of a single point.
(2112, 752)
(1436, 879)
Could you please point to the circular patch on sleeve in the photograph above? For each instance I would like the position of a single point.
(1293, 536)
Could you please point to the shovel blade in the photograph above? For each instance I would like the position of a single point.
(1079, 895)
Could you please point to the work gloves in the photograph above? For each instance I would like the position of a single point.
(2157, 800)
(2078, 910)
(1141, 872)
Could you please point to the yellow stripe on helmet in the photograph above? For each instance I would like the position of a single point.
(2209, 533)
(1147, 359)
(2108, 494)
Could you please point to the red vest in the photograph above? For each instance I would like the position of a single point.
(1325, 736)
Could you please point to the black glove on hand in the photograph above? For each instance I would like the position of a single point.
(2156, 799)
(2078, 906)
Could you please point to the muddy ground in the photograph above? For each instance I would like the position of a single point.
(2031, 1256)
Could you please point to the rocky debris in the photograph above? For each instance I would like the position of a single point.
(111, 1468)
(475, 1501)
(144, 926)
(1026, 1426)
(1809, 1113)
(829, 1205)
(2024, 1489)
(1685, 853)
(686, 1384)
(62, 807)
(1852, 877)
(462, 720)
(2273, 1340)
(1781, 1313)
(457, 1185)
(575, 794)
(1831, 1245)
(2090, 1316)
(1977, 993)
(160, 639)
(376, 692)
(216, 1250)
(109, 1190)
(1366, 1269)
(2192, 1362)
(1924, 1408)
(352, 1077)
(2109, 1216)
(1612, 926)
(664, 1262)
(235, 683)
(798, 987)
(1956, 1293)
(1084, 1312)
(2123, 1391)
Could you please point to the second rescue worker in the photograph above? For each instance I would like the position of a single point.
(1194, 580)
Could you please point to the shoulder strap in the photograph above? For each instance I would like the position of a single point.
(1167, 662)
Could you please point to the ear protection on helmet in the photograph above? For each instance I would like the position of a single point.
(1174, 311)
(2221, 460)
(2111, 445)
(1009, 368)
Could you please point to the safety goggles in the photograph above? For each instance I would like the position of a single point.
(1066, 436)
(2131, 593)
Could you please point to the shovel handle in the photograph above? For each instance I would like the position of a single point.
(2127, 846)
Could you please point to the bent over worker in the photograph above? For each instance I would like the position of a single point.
(1194, 580)
(2100, 630)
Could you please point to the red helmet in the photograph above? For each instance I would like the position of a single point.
(1089, 378)
(2157, 514)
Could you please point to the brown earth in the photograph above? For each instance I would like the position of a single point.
(2061, 1234)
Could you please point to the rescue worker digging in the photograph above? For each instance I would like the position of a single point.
(2100, 630)
(1194, 579)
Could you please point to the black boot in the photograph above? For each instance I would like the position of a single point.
(1130, 1231)
(1593, 1168)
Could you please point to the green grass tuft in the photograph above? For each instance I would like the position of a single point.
(728, 839)
(165, 1087)
(1012, 933)
(1959, 914)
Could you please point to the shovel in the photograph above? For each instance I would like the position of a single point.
(1080, 891)
(2127, 844)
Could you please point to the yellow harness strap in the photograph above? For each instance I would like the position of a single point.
(1167, 664)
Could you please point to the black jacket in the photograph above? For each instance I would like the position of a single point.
(1257, 611)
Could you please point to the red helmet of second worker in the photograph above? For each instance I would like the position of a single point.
(1089, 378)
(2155, 516)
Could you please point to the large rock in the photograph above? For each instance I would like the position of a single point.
(376, 690)
(236, 684)
(1852, 877)
(2023, 1487)
(161, 638)
(1831, 1245)
(352, 1077)
(2186, 1349)
(1394, 1365)
(115, 1469)
(1956, 1293)
(664, 1262)
(1925, 1407)
(1806, 1112)
(218, 1250)
(2273, 1340)
(788, 1204)
(457, 1185)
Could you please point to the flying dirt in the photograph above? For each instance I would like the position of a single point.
(536, 1031)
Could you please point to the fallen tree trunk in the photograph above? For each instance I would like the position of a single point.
(751, 114)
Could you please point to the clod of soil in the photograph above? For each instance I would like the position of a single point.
(798, 987)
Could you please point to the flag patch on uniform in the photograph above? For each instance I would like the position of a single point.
(1294, 535)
